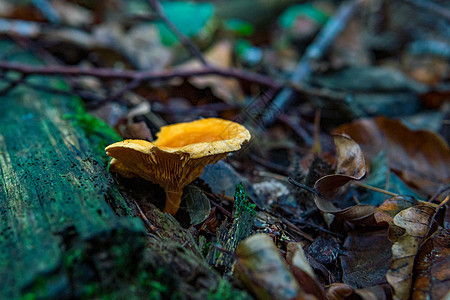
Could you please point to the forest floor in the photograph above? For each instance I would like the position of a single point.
(340, 193)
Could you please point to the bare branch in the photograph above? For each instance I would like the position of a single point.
(107, 73)
(313, 53)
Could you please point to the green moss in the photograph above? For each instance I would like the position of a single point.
(29, 296)
(72, 257)
(145, 285)
(225, 291)
(241, 204)
(97, 132)
(205, 248)
(151, 282)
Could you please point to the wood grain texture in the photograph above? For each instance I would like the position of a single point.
(63, 222)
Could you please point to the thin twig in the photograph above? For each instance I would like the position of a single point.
(443, 203)
(108, 73)
(159, 10)
(143, 216)
(12, 83)
(269, 165)
(270, 175)
(375, 189)
(128, 87)
(432, 6)
(305, 187)
(297, 230)
(49, 89)
(299, 130)
(319, 92)
(219, 207)
(313, 53)
(225, 251)
(440, 192)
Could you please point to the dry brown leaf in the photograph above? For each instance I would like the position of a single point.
(350, 166)
(391, 207)
(432, 272)
(261, 268)
(416, 221)
(377, 292)
(339, 291)
(366, 258)
(420, 158)
(295, 255)
(220, 55)
(302, 270)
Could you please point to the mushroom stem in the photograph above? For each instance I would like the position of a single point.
(173, 199)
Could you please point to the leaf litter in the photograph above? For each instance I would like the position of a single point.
(370, 220)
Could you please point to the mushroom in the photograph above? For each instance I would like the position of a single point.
(178, 155)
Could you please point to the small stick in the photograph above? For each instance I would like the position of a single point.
(271, 175)
(440, 192)
(143, 216)
(433, 7)
(110, 73)
(369, 187)
(305, 187)
(225, 251)
(268, 164)
(220, 208)
(442, 203)
(313, 53)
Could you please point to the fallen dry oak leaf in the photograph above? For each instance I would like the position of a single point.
(431, 269)
(420, 158)
(415, 223)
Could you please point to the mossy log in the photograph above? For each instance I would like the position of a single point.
(65, 230)
(64, 226)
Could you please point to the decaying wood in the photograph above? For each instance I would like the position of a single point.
(62, 220)
(65, 230)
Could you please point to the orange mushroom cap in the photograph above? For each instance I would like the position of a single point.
(179, 154)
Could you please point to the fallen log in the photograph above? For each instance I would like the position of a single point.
(64, 226)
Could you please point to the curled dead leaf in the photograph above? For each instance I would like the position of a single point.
(420, 158)
(350, 166)
(341, 291)
(391, 207)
